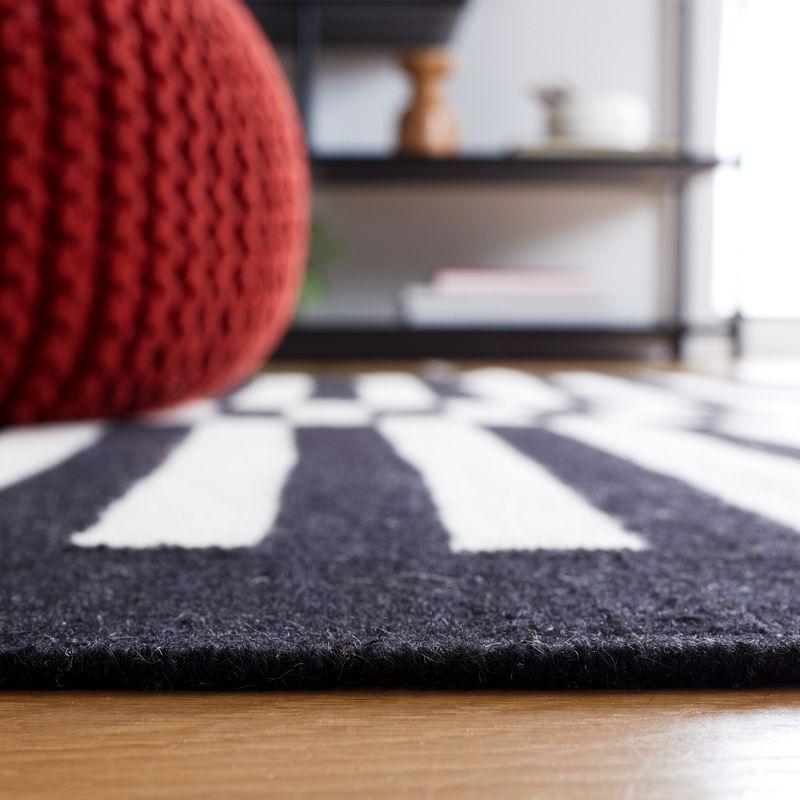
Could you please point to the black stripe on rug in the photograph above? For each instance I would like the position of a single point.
(387, 562)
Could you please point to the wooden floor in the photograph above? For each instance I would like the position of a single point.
(685, 745)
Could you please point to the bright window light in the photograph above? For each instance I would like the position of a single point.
(757, 212)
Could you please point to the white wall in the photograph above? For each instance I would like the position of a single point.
(397, 236)
(502, 48)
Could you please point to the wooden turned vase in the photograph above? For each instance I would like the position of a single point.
(428, 126)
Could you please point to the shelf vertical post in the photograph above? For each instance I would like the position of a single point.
(307, 38)
(684, 101)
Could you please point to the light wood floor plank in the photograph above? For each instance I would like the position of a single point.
(401, 745)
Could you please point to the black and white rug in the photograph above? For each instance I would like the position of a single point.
(487, 528)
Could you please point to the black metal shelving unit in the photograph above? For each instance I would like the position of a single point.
(653, 168)
(467, 343)
(308, 24)
(366, 23)
(485, 343)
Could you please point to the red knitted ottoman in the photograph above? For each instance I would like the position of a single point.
(154, 194)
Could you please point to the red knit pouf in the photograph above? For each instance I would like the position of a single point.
(154, 199)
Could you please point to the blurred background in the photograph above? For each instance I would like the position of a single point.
(527, 178)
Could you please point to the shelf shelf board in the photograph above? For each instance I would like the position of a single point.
(364, 23)
(398, 342)
(511, 169)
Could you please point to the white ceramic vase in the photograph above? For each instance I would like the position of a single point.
(613, 120)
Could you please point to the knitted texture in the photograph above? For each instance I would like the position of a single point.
(153, 203)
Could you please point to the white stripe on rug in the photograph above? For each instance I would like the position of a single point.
(748, 412)
(731, 394)
(488, 412)
(220, 487)
(779, 373)
(513, 386)
(273, 392)
(752, 480)
(27, 451)
(491, 497)
(394, 391)
(626, 399)
(331, 412)
(770, 429)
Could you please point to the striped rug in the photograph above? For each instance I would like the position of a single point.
(484, 527)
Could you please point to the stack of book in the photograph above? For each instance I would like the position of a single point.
(502, 297)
